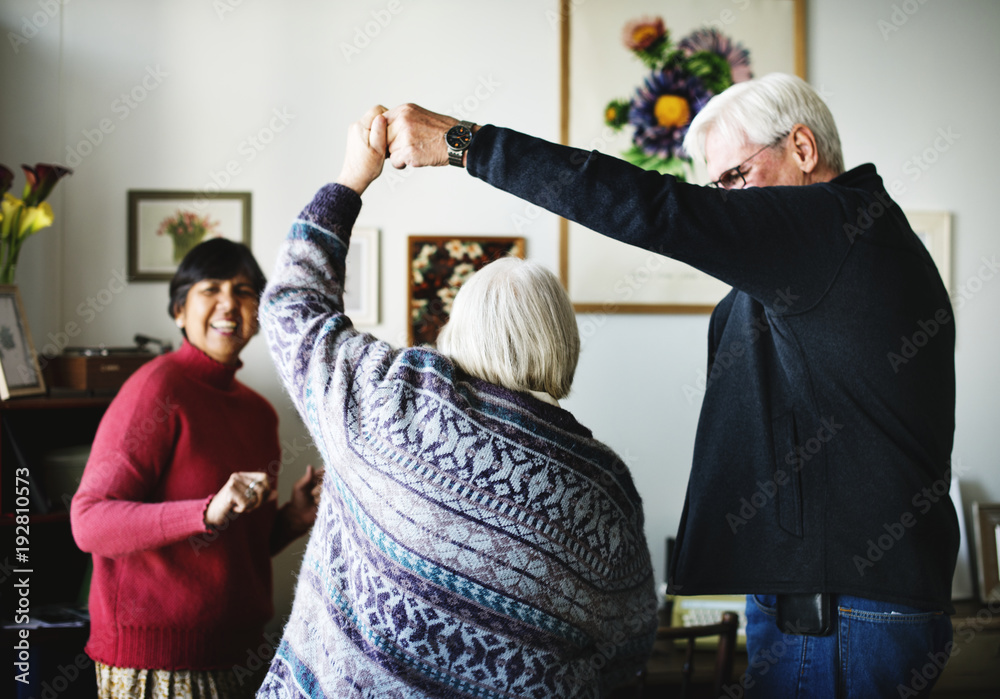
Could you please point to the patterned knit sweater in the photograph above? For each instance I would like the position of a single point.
(471, 541)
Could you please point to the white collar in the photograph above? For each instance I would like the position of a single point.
(544, 397)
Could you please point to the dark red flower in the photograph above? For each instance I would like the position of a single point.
(6, 178)
(40, 180)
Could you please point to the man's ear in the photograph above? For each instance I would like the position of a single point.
(804, 149)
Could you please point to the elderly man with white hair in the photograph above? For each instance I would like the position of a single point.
(472, 539)
(822, 456)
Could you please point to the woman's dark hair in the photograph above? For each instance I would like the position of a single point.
(218, 258)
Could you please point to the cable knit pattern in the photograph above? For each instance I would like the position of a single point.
(471, 541)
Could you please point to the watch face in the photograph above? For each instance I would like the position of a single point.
(458, 137)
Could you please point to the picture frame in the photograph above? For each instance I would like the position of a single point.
(361, 279)
(156, 247)
(437, 266)
(986, 525)
(934, 230)
(20, 373)
(602, 275)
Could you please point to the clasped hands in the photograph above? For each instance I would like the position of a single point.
(406, 135)
(245, 491)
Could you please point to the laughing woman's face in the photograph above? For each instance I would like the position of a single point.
(220, 316)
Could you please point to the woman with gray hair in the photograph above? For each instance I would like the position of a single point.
(473, 539)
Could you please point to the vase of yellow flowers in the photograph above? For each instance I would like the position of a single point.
(186, 229)
(22, 218)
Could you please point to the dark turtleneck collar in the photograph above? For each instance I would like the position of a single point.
(201, 367)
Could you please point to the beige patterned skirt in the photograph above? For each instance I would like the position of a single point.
(131, 683)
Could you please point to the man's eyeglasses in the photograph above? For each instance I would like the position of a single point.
(735, 178)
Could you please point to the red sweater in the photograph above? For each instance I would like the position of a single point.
(167, 592)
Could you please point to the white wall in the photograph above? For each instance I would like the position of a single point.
(213, 81)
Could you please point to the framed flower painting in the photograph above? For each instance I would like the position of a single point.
(438, 266)
(634, 74)
(163, 226)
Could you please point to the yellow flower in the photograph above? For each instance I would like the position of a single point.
(672, 111)
(35, 218)
(10, 207)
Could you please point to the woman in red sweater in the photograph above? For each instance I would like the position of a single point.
(178, 503)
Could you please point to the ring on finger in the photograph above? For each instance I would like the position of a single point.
(251, 491)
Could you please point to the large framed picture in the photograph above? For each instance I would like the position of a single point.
(603, 275)
(437, 268)
(20, 374)
(163, 226)
(361, 280)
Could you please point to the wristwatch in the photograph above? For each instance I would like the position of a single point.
(458, 139)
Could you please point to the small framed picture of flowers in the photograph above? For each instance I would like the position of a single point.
(163, 226)
(438, 266)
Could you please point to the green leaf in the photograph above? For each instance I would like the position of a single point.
(712, 69)
(665, 166)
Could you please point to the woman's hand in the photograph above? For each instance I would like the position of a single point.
(298, 514)
(245, 491)
(300, 511)
(366, 150)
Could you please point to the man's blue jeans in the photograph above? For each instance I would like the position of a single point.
(875, 649)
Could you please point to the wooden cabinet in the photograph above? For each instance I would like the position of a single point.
(973, 670)
(39, 562)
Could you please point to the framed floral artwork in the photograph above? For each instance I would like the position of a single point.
(20, 374)
(438, 266)
(163, 226)
(634, 73)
